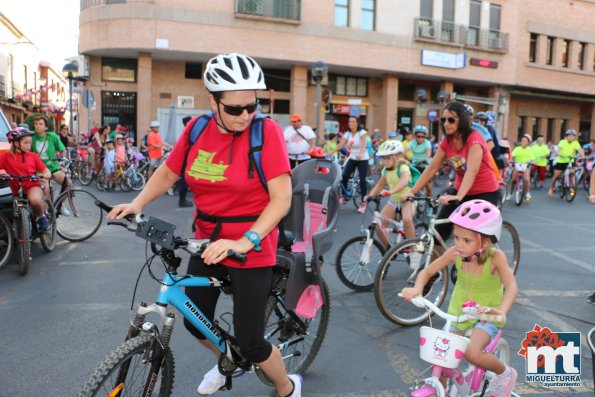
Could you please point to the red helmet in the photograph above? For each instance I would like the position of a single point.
(317, 153)
(17, 134)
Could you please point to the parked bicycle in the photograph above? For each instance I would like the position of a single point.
(397, 270)
(77, 218)
(358, 258)
(24, 228)
(474, 381)
(145, 362)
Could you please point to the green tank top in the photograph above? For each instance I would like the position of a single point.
(486, 290)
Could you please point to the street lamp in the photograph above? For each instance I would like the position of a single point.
(70, 71)
(318, 70)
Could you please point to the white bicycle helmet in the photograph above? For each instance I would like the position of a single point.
(469, 109)
(421, 128)
(389, 148)
(233, 72)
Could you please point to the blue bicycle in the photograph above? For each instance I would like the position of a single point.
(352, 192)
(144, 364)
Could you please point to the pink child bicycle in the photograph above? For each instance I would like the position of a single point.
(445, 350)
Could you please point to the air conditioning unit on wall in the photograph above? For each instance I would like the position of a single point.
(82, 62)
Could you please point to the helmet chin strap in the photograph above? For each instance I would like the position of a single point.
(220, 123)
(477, 253)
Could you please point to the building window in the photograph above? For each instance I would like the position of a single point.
(277, 79)
(495, 11)
(535, 128)
(448, 20)
(565, 50)
(350, 86)
(342, 13)
(193, 70)
(426, 9)
(549, 54)
(533, 48)
(474, 23)
(521, 127)
(368, 17)
(582, 47)
(118, 69)
(550, 130)
(563, 127)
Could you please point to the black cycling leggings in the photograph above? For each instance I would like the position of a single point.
(362, 169)
(251, 288)
(445, 229)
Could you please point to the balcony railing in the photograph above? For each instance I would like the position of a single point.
(92, 3)
(277, 9)
(460, 35)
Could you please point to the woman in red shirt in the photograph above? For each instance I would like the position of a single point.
(21, 161)
(216, 171)
(466, 151)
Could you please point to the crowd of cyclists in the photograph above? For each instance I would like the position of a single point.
(239, 211)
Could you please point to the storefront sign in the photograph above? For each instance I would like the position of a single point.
(484, 63)
(443, 59)
(348, 109)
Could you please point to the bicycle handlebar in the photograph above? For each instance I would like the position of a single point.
(161, 234)
(471, 312)
(32, 177)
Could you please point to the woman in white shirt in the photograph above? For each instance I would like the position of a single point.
(355, 141)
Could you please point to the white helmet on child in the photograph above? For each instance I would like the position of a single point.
(389, 148)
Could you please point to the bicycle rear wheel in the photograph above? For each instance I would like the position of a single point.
(48, 239)
(356, 264)
(134, 357)
(571, 190)
(395, 273)
(6, 241)
(84, 217)
(510, 244)
(137, 181)
(282, 328)
(24, 240)
(85, 174)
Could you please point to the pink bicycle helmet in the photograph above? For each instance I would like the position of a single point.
(479, 216)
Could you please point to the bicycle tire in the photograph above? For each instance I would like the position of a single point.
(394, 274)
(502, 351)
(572, 187)
(511, 245)
(519, 194)
(138, 181)
(102, 187)
(125, 183)
(6, 241)
(48, 239)
(85, 217)
(125, 354)
(283, 322)
(351, 272)
(85, 174)
(562, 187)
(24, 240)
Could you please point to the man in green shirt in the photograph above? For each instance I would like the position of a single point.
(567, 149)
(46, 144)
(541, 152)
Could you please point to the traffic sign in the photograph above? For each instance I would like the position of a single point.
(432, 115)
(88, 98)
(354, 111)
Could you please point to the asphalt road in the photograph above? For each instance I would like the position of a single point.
(59, 321)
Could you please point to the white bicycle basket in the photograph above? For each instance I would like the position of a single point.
(441, 348)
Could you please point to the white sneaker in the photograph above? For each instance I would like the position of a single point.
(504, 383)
(508, 196)
(170, 191)
(64, 211)
(528, 196)
(298, 383)
(414, 260)
(212, 382)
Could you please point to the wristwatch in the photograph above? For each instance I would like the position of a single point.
(254, 238)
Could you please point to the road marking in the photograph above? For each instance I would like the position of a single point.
(565, 293)
(557, 254)
(587, 227)
(95, 262)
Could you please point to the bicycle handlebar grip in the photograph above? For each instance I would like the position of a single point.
(494, 318)
(236, 256)
(103, 205)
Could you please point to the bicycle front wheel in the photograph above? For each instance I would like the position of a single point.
(134, 358)
(24, 240)
(356, 263)
(519, 194)
(510, 244)
(571, 190)
(6, 241)
(301, 345)
(85, 174)
(48, 239)
(398, 270)
(137, 181)
(78, 218)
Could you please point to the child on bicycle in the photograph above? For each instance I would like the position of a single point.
(484, 277)
(396, 174)
(21, 161)
(522, 156)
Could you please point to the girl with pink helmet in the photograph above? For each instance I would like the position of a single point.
(484, 279)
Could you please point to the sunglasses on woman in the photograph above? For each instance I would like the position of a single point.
(451, 120)
(238, 110)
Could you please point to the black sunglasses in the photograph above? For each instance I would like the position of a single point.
(420, 136)
(451, 120)
(238, 110)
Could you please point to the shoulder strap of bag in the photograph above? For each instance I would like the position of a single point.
(256, 144)
(197, 128)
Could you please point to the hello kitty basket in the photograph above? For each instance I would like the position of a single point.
(441, 348)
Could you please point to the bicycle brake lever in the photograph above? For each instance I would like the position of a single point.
(118, 223)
